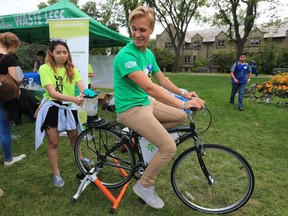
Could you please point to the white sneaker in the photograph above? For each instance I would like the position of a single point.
(86, 161)
(58, 181)
(148, 195)
(14, 160)
(63, 133)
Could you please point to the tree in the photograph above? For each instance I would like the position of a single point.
(90, 8)
(107, 13)
(51, 2)
(234, 13)
(176, 14)
(240, 17)
(224, 58)
(128, 7)
(27, 55)
(165, 59)
(267, 61)
(282, 58)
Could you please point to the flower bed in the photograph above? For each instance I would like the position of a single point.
(278, 85)
(275, 89)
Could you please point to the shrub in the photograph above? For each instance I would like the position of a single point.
(224, 58)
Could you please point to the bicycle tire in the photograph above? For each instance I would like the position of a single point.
(113, 169)
(233, 180)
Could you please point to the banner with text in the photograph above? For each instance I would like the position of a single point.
(76, 32)
(31, 19)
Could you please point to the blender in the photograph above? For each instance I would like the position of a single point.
(90, 106)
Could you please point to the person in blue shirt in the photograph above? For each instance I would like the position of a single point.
(240, 74)
(254, 68)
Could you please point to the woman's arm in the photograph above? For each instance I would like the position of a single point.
(12, 72)
(58, 96)
(81, 86)
(35, 67)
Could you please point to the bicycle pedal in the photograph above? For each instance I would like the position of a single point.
(80, 176)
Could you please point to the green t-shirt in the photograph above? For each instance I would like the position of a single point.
(128, 94)
(59, 81)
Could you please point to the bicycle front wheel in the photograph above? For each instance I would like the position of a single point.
(100, 148)
(233, 179)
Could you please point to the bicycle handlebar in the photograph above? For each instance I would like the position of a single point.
(193, 109)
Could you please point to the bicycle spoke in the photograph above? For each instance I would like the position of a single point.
(100, 146)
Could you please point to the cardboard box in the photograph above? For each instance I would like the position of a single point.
(105, 97)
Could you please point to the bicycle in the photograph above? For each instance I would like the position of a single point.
(210, 178)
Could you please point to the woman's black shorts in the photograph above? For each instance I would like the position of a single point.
(51, 119)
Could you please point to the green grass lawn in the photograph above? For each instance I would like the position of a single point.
(258, 133)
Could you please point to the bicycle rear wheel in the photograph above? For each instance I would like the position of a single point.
(100, 148)
(233, 180)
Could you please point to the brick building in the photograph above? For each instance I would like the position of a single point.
(201, 44)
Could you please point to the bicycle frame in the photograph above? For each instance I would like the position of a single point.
(132, 165)
(189, 132)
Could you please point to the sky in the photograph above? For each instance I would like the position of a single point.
(24, 6)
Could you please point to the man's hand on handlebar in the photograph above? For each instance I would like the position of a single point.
(195, 102)
(189, 95)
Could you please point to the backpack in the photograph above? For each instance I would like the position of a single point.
(236, 67)
(9, 87)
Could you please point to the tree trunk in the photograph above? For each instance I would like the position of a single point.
(240, 48)
(176, 62)
(178, 49)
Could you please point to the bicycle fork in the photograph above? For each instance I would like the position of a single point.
(200, 153)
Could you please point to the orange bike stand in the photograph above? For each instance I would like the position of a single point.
(92, 177)
(115, 200)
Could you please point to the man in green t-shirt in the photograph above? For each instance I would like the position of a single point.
(133, 67)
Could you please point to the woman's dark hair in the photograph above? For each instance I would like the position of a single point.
(41, 53)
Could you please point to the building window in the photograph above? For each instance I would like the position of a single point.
(255, 42)
(168, 45)
(196, 45)
(221, 44)
(194, 58)
(187, 59)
